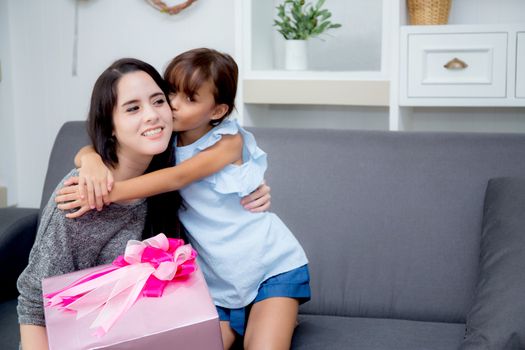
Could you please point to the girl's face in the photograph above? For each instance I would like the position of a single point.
(142, 118)
(192, 114)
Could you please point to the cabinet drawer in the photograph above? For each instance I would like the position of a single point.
(520, 66)
(457, 65)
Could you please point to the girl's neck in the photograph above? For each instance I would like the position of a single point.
(185, 138)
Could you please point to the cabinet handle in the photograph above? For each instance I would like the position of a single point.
(455, 64)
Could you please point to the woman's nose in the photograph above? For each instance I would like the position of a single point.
(151, 114)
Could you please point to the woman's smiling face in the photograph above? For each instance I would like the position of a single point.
(142, 117)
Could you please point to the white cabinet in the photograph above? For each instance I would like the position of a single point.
(379, 73)
(464, 65)
(456, 65)
(520, 66)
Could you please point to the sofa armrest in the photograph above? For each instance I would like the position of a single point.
(18, 228)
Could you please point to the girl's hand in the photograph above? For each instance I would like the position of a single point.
(95, 181)
(68, 198)
(259, 200)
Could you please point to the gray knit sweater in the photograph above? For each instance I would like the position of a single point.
(64, 245)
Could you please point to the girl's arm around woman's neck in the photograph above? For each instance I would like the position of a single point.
(226, 151)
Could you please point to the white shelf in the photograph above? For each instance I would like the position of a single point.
(316, 88)
(520, 68)
(317, 92)
(314, 75)
(369, 62)
(263, 82)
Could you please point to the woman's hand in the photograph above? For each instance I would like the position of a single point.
(69, 198)
(95, 181)
(259, 200)
(33, 337)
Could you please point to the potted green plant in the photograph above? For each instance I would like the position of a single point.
(299, 21)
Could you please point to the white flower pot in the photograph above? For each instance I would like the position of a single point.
(295, 55)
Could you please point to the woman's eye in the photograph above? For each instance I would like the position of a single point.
(132, 109)
(159, 102)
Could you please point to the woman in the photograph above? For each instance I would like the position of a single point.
(130, 125)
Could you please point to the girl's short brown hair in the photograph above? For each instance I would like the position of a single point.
(190, 70)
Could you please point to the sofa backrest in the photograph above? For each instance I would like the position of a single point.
(71, 137)
(390, 221)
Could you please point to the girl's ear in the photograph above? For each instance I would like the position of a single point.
(219, 111)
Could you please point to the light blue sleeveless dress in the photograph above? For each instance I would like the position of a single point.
(238, 250)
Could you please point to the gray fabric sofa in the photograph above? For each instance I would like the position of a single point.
(391, 223)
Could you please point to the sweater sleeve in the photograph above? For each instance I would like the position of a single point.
(51, 255)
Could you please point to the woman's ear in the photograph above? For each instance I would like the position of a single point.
(219, 111)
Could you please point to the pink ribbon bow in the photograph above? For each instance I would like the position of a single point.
(144, 270)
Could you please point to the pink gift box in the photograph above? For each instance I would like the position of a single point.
(183, 318)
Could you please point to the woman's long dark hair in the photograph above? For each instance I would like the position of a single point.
(162, 209)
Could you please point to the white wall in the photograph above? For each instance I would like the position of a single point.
(7, 135)
(486, 12)
(43, 90)
(356, 46)
(38, 92)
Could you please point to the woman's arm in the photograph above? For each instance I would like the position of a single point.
(50, 255)
(33, 337)
(259, 200)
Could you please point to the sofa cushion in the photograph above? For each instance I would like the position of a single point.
(71, 137)
(333, 332)
(497, 317)
(9, 325)
(390, 222)
(17, 234)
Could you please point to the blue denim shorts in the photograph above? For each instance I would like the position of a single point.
(292, 284)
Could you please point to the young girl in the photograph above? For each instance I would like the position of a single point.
(255, 268)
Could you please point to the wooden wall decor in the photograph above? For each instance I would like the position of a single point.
(171, 10)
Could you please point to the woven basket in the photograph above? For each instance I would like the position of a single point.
(428, 11)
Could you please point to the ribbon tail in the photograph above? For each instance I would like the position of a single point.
(91, 301)
(71, 293)
(82, 280)
(124, 295)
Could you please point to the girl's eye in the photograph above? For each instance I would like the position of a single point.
(190, 99)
